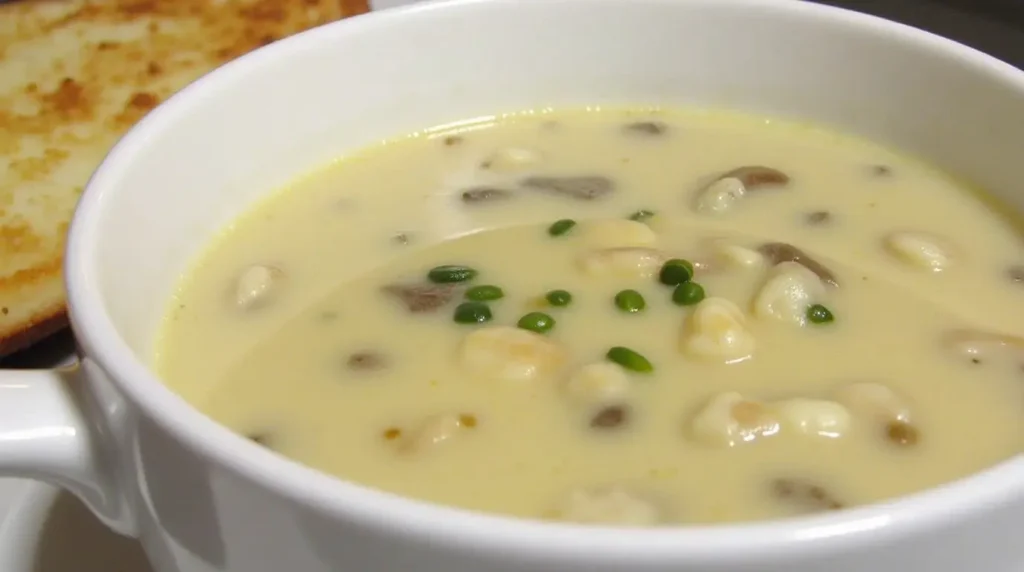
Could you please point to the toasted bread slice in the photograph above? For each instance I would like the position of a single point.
(74, 76)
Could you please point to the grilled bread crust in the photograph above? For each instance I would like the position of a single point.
(74, 76)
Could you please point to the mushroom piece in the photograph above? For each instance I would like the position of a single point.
(920, 250)
(257, 286)
(729, 419)
(787, 293)
(716, 330)
(1015, 273)
(610, 417)
(511, 159)
(608, 505)
(584, 188)
(718, 253)
(599, 383)
(435, 431)
(480, 195)
(616, 233)
(648, 128)
(509, 354)
(366, 361)
(626, 262)
(803, 495)
(779, 252)
(422, 298)
(818, 218)
(981, 347)
(721, 194)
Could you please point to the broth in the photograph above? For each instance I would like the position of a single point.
(852, 338)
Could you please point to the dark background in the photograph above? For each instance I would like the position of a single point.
(992, 26)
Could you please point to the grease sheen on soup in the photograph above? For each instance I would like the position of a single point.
(849, 332)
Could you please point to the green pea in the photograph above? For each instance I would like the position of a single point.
(629, 359)
(484, 293)
(688, 294)
(472, 313)
(536, 322)
(676, 271)
(560, 227)
(630, 301)
(558, 298)
(449, 274)
(641, 215)
(819, 314)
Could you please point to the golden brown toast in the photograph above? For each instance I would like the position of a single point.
(74, 76)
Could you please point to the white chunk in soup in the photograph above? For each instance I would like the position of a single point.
(627, 317)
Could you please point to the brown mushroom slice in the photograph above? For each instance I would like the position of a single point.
(779, 252)
(756, 177)
(611, 417)
(980, 346)
(804, 496)
(818, 218)
(422, 298)
(481, 195)
(584, 188)
(646, 128)
(1015, 273)
(366, 361)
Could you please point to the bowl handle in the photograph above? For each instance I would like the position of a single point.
(47, 434)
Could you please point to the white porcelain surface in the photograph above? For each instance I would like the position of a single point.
(47, 530)
(203, 499)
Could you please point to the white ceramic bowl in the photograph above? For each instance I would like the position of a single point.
(203, 499)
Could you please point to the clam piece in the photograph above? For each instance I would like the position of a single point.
(725, 192)
(787, 293)
(611, 505)
(814, 417)
(598, 383)
(983, 347)
(435, 431)
(509, 354)
(729, 419)
(626, 262)
(920, 250)
(511, 159)
(616, 233)
(883, 406)
(874, 400)
(257, 286)
(716, 330)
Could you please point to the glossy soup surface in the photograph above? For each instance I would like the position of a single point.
(849, 333)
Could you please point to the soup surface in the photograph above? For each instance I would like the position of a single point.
(628, 317)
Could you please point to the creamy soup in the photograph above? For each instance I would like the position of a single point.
(642, 317)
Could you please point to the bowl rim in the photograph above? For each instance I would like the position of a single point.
(390, 514)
